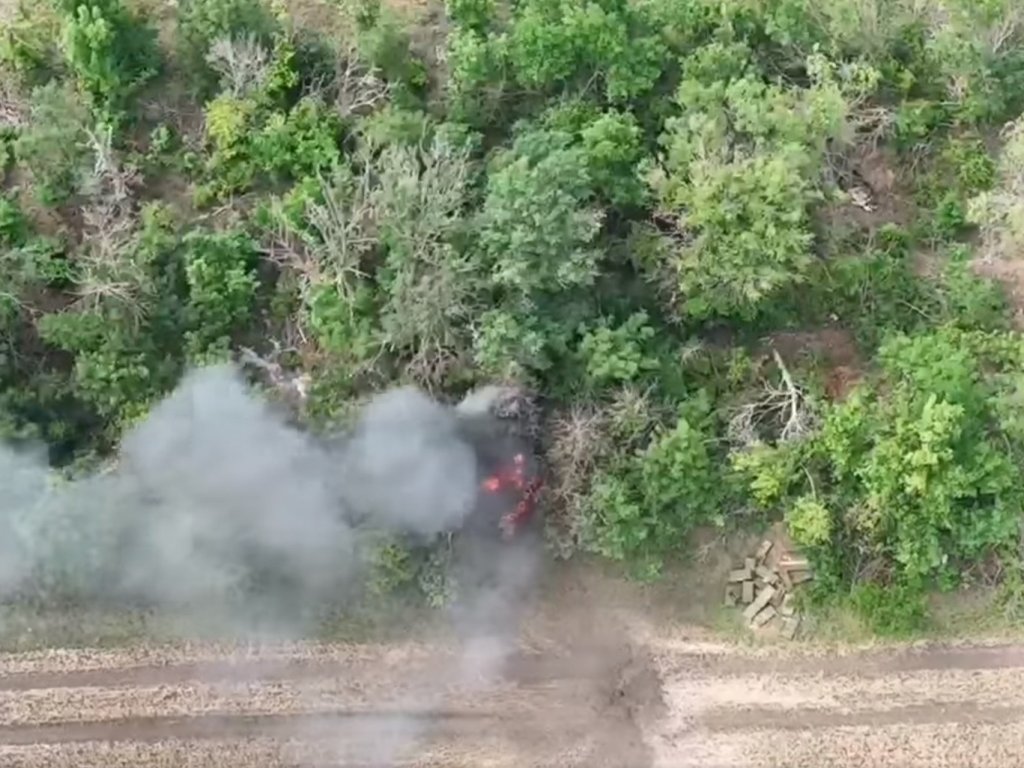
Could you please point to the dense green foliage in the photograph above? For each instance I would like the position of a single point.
(615, 202)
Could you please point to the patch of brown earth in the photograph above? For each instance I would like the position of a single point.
(658, 699)
(879, 195)
(834, 347)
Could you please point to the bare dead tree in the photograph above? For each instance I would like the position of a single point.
(786, 409)
(872, 124)
(358, 88)
(419, 200)
(1007, 29)
(13, 109)
(110, 225)
(344, 229)
(242, 63)
(293, 386)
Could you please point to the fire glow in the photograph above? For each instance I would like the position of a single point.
(514, 478)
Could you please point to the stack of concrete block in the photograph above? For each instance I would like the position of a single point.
(764, 586)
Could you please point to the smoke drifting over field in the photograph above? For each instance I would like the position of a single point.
(216, 509)
(213, 492)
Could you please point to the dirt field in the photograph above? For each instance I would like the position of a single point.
(619, 692)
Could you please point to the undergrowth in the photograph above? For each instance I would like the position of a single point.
(614, 203)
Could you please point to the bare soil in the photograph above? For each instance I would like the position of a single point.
(666, 701)
(600, 674)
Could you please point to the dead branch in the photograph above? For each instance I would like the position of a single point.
(294, 386)
(785, 410)
(358, 88)
(13, 109)
(242, 63)
(346, 230)
(110, 225)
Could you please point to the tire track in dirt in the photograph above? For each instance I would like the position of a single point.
(763, 718)
(522, 667)
(345, 702)
(866, 664)
(344, 725)
(928, 706)
(666, 703)
(342, 661)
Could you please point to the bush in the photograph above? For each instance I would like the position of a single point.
(220, 269)
(809, 523)
(27, 42)
(53, 147)
(1000, 212)
(110, 52)
(915, 472)
(737, 181)
(303, 142)
(202, 22)
(538, 224)
(895, 610)
(617, 355)
(557, 43)
(646, 503)
(252, 137)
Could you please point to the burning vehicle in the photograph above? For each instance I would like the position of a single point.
(471, 468)
(501, 425)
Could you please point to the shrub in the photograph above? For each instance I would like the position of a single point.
(220, 269)
(202, 22)
(915, 472)
(617, 355)
(751, 232)
(392, 568)
(27, 42)
(896, 610)
(109, 50)
(386, 47)
(613, 146)
(647, 502)
(737, 180)
(809, 523)
(538, 225)
(14, 230)
(476, 15)
(53, 147)
(511, 345)
(1000, 212)
(303, 142)
(249, 141)
(558, 43)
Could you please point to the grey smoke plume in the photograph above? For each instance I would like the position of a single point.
(213, 492)
(406, 467)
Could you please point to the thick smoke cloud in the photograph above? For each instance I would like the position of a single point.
(406, 467)
(213, 492)
(214, 497)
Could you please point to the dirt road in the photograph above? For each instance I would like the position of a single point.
(661, 701)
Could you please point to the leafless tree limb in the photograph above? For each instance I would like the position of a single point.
(13, 109)
(243, 64)
(294, 386)
(358, 88)
(786, 409)
(109, 273)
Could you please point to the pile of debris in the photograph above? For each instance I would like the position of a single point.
(764, 585)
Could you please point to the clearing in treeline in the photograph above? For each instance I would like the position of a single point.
(760, 258)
